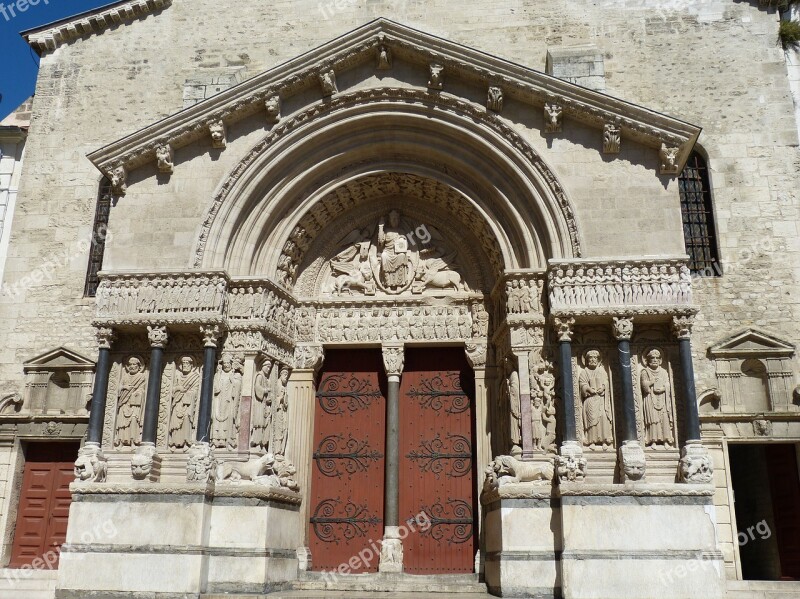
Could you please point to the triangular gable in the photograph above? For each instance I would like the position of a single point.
(752, 343)
(49, 37)
(372, 44)
(59, 358)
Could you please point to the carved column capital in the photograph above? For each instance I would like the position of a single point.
(308, 357)
(105, 337)
(393, 359)
(564, 328)
(623, 328)
(211, 334)
(476, 354)
(158, 336)
(682, 326)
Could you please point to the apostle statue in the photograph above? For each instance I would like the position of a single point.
(395, 259)
(184, 395)
(596, 397)
(262, 408)
(227, 393)
(280, 408)
(657, 400)
(130, 402)
(511, 392)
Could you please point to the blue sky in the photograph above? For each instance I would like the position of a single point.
(19, 64)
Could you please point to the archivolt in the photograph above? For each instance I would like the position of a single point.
(378, 131)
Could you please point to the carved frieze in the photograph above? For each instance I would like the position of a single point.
(659, 286)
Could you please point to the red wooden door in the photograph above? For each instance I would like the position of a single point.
(785, 489)
(44, 502)
(348, 472)
(436, 461)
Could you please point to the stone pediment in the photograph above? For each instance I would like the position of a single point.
(440, 63)
(752, 343)
(59, 359)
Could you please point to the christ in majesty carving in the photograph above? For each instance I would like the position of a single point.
(393, 246)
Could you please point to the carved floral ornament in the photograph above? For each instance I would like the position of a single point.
(391, 41)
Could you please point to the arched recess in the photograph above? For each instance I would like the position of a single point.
(435, 137)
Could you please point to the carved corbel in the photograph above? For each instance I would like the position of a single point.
(327, 80)
(119, 180)
(211, 335)
(384, 57)
(668, 157)
(623, 328)
(682, 326)
(105, 337)
(218, 134)
(494, 101)
(435, 76)
(166, 158)
(394, 358)
(553, 113)
(273, 106)
(612, 138)
(564, 328)
(308, 357)
(476, 354)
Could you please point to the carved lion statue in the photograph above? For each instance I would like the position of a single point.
(250, 470)
(506, 469)
(89, 468)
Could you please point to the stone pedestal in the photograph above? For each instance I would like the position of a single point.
(640, 541)
(148, 539)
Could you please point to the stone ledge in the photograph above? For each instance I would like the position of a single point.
(529, 490)
(635, 490)
(209, 490)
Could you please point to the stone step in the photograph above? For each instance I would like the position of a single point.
(762, 589)
(27, 584)
(350, 594)
(383, 583)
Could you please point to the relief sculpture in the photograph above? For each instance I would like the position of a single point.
(595, 395)
(657, 401)
(130, 402)
(185, 392)
(227, 394)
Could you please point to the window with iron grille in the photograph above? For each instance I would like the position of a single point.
(99, 233)
(699, 233)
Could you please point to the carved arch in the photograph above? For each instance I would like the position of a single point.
(456, 143)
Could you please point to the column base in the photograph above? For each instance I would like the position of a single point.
(696, 466)
(304, 559)
(146, 463)
(391, 551)
(632, 462)
(570, 463)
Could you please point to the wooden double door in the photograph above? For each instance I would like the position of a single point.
(437, 500)
(44, 503)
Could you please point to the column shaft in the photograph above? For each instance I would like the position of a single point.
(628, 406)
(689, 394)
(99, 394)
(567, 393)
(206, 394)
(150, 429)
(391, 515)
(300, 444)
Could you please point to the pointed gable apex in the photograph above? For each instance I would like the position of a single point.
(58, 359)
(752, 342)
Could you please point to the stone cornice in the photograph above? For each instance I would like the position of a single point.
(673, 138)
(48, 38)
(243, 490)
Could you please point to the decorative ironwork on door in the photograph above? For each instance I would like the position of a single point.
(347, 486)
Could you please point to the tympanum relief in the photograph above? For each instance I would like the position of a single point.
(394, 256)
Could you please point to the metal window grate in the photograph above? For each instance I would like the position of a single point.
(698, 218)
(99, 233)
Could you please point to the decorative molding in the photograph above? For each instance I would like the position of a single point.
(634, 490)
(360, 46)
(11, 399)
(210, 489)
(630, 287)
(48, 38)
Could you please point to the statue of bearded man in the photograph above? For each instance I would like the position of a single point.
(393, 245)
(657, 399)
(593, 385)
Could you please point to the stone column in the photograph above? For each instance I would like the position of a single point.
(92, 464)
(526, 425)
(146, 463)
(201, 464)
(476, 356)
(571, 463)
(696, 465)
(300, 444)
(631, 453)
(392, 546)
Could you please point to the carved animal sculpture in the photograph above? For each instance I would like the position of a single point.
(89, 468)
(250, 470)
(506, 469)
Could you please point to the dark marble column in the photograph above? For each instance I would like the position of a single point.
(631, 453)
(211, 335)
(392, 546)
(105, 337)
(158, 337)
(570, 461)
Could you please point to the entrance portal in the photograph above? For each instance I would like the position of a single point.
(437, 481)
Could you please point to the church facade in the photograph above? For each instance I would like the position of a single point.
(399, 296)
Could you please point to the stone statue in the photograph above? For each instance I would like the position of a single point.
(184, 395)
(394, 255)
(511, 392)
(227, 393)
(657, 401)
(280, 406)
(352, 270)
(262, 408)
(506, 469)
(130, 402)
(596, 398)
(538, 431)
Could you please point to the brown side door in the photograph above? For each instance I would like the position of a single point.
(44, 501)
(785, 489)
(347, 480)
(437, 481)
